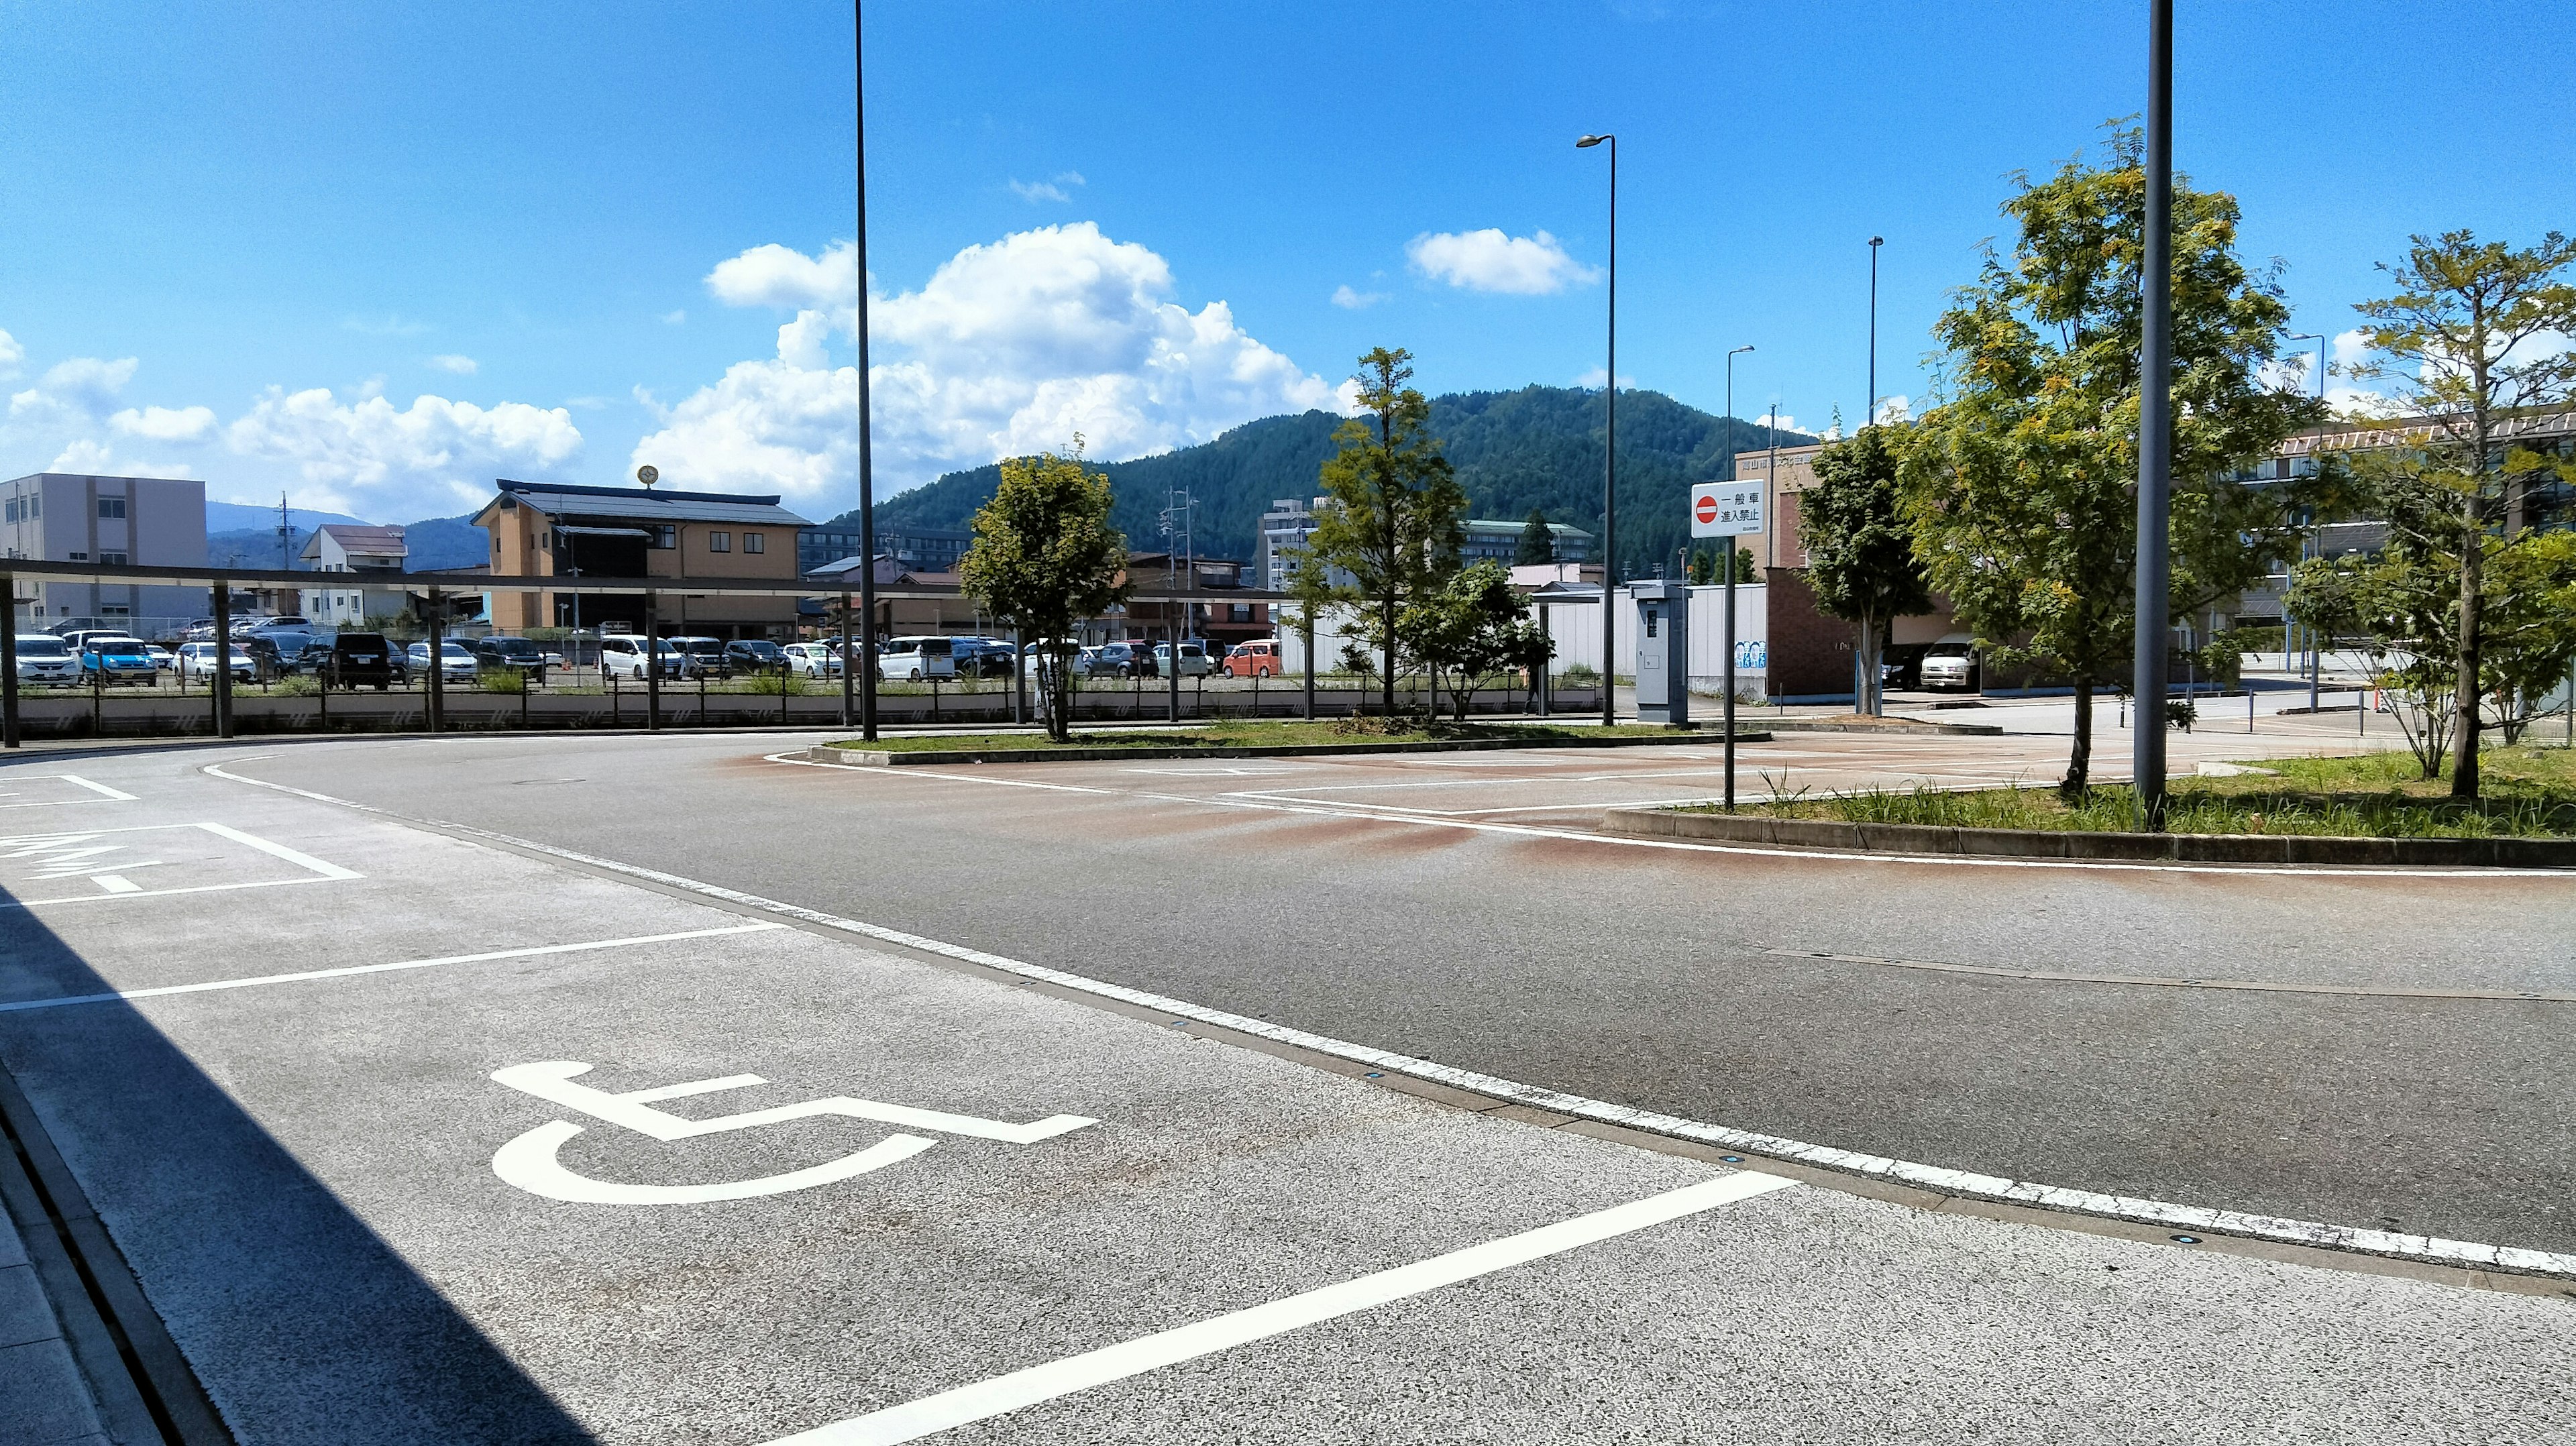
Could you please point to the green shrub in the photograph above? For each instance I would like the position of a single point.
(501, 680)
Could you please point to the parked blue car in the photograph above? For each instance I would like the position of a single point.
(117, 660)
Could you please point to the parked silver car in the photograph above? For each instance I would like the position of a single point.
(44, 662)
(1950, 663)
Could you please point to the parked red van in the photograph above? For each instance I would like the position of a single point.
(1252, 660)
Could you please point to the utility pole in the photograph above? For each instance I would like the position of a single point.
(867, 685)
(1610, 454)
(2155, 429)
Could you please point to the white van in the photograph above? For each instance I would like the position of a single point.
(914, 659)
(622, 655)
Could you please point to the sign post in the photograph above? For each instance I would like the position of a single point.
(1727, 510)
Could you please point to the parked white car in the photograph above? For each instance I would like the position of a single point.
(1194, 660)
(197, 660)
(624, 655)
(815, 660)
(456, 662)
(1950, 663)
(914, 659)
(43, 662)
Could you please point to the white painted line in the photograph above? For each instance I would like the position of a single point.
(106, 794)
(279, 850)
(258, 980)
(1004, 1394)
(2196, 1218)
(160, 893)
(116, 883)
(98, 788)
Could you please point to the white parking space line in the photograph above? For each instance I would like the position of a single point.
(62, 854)
(279, 850)
(1004, 1394)
(258, 980)
(105, 793)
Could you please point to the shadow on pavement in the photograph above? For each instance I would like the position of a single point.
(302, 1324)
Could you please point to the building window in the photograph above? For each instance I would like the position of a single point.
(80, 557)
(755, 542)
(106, 611)
(664, 537)
(111, 509)
(112, 559)
(719, 542)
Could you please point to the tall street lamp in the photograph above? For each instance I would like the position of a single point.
(1869, 413)
(1610, 451)
(1730, 454)
(2316, 657)
(1728, 662)
(867, 686)
(2155, 430)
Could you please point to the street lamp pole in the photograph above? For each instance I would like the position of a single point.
(867, 685)
(2155, 430)
(1869, 413)
(1610, 452)
(2316, 658)
(1729, 544)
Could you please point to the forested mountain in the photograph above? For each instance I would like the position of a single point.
(1538, 447)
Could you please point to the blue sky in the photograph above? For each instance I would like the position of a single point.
(375, 255)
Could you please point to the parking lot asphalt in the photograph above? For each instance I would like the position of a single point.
(411, 1138)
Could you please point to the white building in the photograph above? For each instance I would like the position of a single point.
(66, 517)
(340, 547)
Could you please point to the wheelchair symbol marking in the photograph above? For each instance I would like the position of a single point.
(529, 1162)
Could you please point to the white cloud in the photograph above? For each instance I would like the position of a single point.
(388, 325)
(92, 458)
(1049, 190)
(1349, 300)
(1488, 260)
(674, 318)
(1008, 348)
(365, 457)
(79, 390)
(1592, 377)
(12, 356)
(166, 424)
(1892, 410)
(463, 366)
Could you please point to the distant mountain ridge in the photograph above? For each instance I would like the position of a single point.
(1537, 447)
(434, 541)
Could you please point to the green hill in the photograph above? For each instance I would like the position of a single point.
(1538, 447)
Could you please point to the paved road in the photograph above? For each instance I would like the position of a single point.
(316, 1070)
(1432, 906)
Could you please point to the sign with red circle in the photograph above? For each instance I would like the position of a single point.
(1705, 509)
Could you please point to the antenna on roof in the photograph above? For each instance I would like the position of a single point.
(648, 474)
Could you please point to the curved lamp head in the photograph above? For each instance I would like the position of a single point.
(1748, 346)
(1588, 142)
(1877, 240)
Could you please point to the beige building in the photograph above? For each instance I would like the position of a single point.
(541, 531)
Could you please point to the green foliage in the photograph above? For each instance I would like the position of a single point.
(1537, 546)
(1705, 567)
(2020, 485)
(1392, 522)
(1045, 558)
(1471, 628)
(1861, 560)
(2467, 342)
(777, 682)
(501, 680)
(1534, 448)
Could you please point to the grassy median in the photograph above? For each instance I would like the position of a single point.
(2529, 793)
(1255, 733)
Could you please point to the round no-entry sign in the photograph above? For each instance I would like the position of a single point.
(1704, 506)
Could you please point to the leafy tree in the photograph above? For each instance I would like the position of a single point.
(1045, 558)
(2474, 338)
(1537, 545)
(1471, 627)
(1704, 567)
(2020, 484)
(1392, 524)
(1861, 562)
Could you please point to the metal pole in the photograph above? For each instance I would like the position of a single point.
(1020, 677)
(8, 661)
(1172, 700)
(437, 695)
(1307, 626)
(849, 662)
(1869, 414)
(1610, 467)
(223, 685)
(1729, 544)
(867, 469)
(652, 662)
(2155, 426)
(1544, 683)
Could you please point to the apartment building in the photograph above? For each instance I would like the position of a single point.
(74, 517)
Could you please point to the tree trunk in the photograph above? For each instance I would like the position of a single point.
(1386, 615)
(2464, 771)
(2079, 761)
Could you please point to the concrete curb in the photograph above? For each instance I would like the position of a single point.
(915, 758)
(2509, 853)
(1906, 725)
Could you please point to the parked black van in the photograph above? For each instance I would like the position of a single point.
(361, 658)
